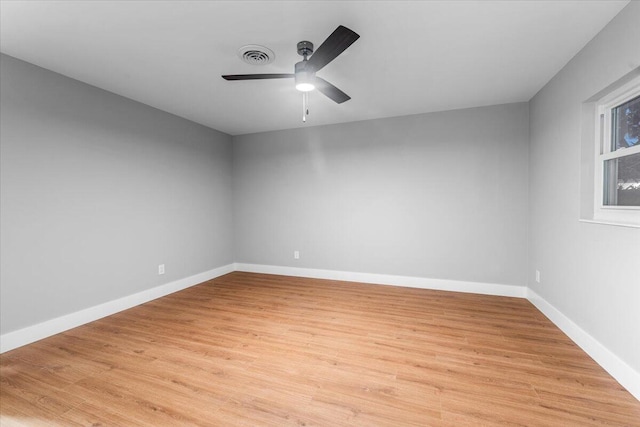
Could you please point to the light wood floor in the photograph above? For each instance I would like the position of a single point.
(252, 350)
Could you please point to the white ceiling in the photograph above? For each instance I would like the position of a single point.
(412, 57)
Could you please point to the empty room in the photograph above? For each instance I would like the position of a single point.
(320, 213)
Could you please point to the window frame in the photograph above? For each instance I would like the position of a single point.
(603, 152)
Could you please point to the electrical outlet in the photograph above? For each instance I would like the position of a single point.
(161, 269)
(296, 254)
(537, 276)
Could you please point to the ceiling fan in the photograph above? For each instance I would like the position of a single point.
(305, 70)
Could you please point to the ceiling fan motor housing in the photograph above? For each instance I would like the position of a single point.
(305, 77)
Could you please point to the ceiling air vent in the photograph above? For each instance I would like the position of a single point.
(256, 55)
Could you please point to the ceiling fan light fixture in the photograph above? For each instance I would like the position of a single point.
(305, 79)
(305, 87)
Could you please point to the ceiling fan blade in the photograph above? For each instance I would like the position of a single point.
(258, 76)
(331, 91)
(333, 46)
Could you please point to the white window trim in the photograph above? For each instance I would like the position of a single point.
(619, 215)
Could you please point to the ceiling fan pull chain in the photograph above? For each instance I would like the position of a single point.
(305, 106)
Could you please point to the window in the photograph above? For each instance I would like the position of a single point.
(617, 159)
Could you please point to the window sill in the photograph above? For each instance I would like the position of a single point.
(603, 222)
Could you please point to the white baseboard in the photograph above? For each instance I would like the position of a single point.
(30, 334)
(628, 377)
(385, 279)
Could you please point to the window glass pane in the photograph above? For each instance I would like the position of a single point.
(622, 181)
(625, 129)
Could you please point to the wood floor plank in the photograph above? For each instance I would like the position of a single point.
(264, 350)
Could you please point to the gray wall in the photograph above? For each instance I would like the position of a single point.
(96, 191)
(590, 272)
(441, 195)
